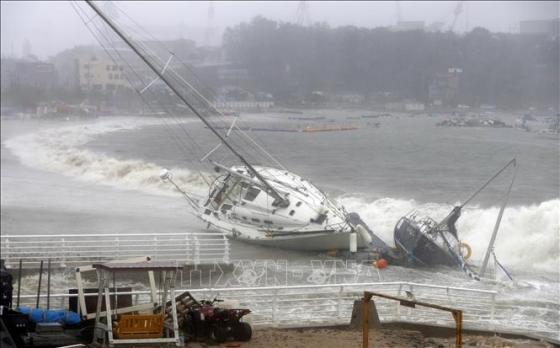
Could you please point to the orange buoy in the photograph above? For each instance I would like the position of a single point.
(332, 253)
(381, 263)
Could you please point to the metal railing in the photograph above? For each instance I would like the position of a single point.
(308, 305)
(78, 249)
(331, 304)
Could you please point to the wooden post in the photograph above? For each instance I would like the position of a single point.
(458, 316)
(365, 319)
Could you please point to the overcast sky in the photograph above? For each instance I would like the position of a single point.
(50, 27)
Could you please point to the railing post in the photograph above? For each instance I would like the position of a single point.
(412, 292)
(492, 311)
(7, 246)
(64, 251)
(274, 306)
(226, 249)
(196, 251)
(187, 247)
(118, 245)
(156, 249)
(339, 303)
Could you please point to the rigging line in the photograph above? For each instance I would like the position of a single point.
(193, 74)
(162, 45)
(178, 141)
(112, 57)
(205, 101)
(165, 108)
(513, 161)
(501, 266)
(261, 148)
(282, 201)
(154, 55)
(252, 142)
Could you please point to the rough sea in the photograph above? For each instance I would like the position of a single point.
(102, 176)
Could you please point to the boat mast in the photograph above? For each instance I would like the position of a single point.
(490, 248)
(512, 162)
(278, 199)
(458, 208)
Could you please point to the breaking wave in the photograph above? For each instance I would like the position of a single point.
(529, 236)
(60, 150)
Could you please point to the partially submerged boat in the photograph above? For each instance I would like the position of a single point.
(421, 241)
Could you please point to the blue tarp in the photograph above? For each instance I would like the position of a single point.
(39, 315)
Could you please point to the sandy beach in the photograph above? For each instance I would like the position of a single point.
(346, 338)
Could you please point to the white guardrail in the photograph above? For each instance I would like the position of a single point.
(331, 304)
(312, 305)
(301, 305)
(77, 249)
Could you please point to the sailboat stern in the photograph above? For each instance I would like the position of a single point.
(418, 247)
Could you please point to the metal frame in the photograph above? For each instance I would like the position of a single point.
(457, 315)
(105, 273)
(81, 294)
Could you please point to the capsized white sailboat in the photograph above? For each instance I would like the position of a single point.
(253, 203)
(306, 219)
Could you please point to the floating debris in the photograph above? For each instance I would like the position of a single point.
(473, 122)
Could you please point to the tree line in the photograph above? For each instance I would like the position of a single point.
(288, 60)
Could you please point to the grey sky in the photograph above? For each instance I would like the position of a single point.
(51, 26)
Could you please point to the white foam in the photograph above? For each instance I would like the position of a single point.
(528, 237)
(58, 150)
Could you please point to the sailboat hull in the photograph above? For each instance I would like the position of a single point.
(307, 242)
(418, 248)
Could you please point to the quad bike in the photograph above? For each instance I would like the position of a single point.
(204, 320)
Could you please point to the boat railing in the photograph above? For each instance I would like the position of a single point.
(79, 249)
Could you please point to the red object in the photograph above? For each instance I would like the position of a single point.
(381, 263)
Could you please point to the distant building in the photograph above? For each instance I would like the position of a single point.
(349, 98)
(228, 74)
(409, 26)
(28, 72)
(540, 27)
(394, 106)
(412, 106)
(444, 88)
(101, 74)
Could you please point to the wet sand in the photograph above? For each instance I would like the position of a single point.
(345, 338)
